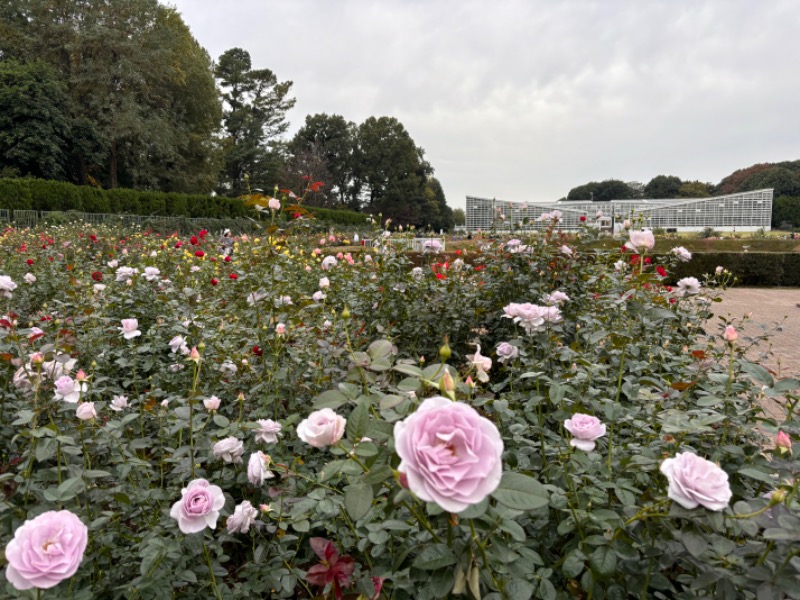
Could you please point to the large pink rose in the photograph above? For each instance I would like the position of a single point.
(322, 428)
(449, 454)
(695, 481)
(198, 507)
(46, 550)
(585, 429)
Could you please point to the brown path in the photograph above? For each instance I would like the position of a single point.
(775, 311)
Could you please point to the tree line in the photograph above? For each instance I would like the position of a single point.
(120, 95)
(783, 177)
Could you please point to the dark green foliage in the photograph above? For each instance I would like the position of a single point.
(34, 127)
(757, 269)
(603, 191)
(663, 186)
(39, 194)
(786, 211)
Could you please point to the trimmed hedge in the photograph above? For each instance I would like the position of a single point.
(40, 194)
(758, 269)
(45, 195)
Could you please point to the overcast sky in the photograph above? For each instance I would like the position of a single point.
(523, 100)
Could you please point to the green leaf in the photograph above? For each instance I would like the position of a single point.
(221, 420)
(380, 349)
(358, 500)
(358, 421)
(434, 557)
(573, 564)
(519, 589)
(756, 474)
(520, 492)
(603, 561)
(378, 474)
(695, 543)
(330, 399)
(95, 474)
(406, 369)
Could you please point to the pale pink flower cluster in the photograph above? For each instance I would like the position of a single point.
(449, 454)
(244, 516)
(258, 468)
(125, 273)
(68, 390)
(152, 273)
(328, 263)
(554, 216)
(695, 481)
(688, 285)
(86, 411)
(178, 344)
(730, 334)
(46, 550)
(585, 429)
(641, 241)
(481, 363)
(130, 328)
(230, 450)
(7, 286)
(119, 403)
(198, 507)
(274, 204)
(682, 253)
(532, 317)
(556, 297)
(268, 431)
(506, 352)
(322, 428)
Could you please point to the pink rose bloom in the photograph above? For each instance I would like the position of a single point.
(730, 334)
(212, 403)
(783, 441)
(318, 296)
(688, 285)
(267, 431)
(280, 329)
(695, 481)
(258, 468)
(449, 454)
(198, 507)
(682, 253)
(585, 430)
(481, 363)
(118, 403)
(556, 297)
(68, 390)
(86, 411)
(506, 352)
(274, 204)
(322, 428)
(641, 241)
(230, 450)
(130, 328)
(328, 262)
(339, 255)
(46, 550)
(244, 516)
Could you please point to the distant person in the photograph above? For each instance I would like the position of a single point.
(226, 242)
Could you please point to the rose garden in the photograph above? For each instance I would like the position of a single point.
(526, 419)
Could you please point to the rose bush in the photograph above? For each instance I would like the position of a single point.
(365, 498)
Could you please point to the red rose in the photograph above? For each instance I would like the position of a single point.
(193, 240)
(97, 276)
(227, 259)
(583, 218)
(199, 254)
(661, 271)
(178, 244)
(29, 261)
(214, 281)
(258, 351)
(233, 276)
(203, 233)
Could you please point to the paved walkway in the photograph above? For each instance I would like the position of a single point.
(775, 311)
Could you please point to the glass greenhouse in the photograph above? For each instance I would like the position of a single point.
(745, 211)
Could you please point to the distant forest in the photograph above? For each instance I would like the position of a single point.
(783, 177)
(121, 95)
